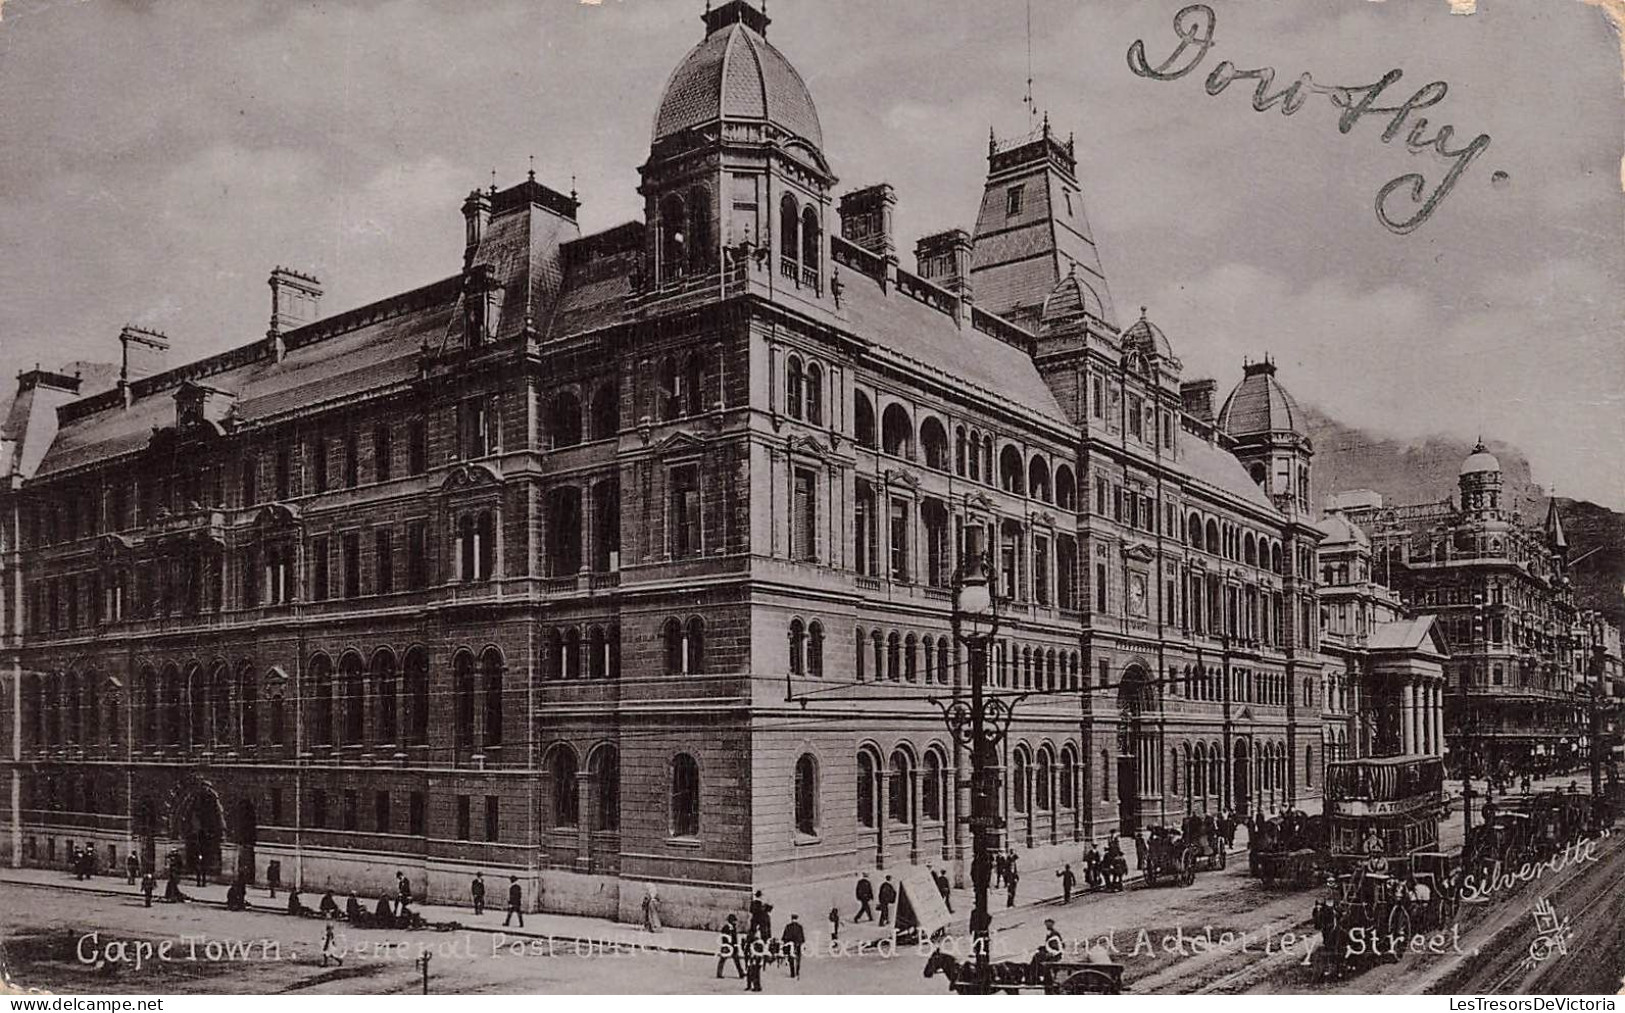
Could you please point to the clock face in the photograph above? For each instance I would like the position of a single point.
(1136, 593)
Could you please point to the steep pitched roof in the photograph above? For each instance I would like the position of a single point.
(1220, 469)
(1406, 635)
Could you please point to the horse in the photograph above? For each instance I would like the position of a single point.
(1333, 937)
(1004, 975)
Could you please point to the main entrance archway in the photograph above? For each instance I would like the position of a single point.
(1137, 754)
(197, 823)
(1240, 769)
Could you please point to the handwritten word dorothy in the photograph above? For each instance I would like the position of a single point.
(1195, 24)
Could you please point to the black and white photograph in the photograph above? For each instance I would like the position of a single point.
(811, 497)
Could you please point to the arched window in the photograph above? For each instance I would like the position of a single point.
(806, 800)
(384, 693)
(1069, 788)
(898, 808)
(798, 647)
(928, 649)
(491, 671)
(699, 231)
(463, 694)
(863, 419)
(866, 789)
(572, 653)
(897, 432)
(673, 240)
(793, 379)
(417, 687)
(685, 796)
(975, 456)
(942, 661)
(931, 786)
(815, 650)
(354, 688)
(1011, 477)
(672, 636)
(809, 245)
(1066, 488)
(321, 724)
(1211, 538)
(606, 772)
(279, 721)
(565, 419)
(195, 693)
(1194, 533)
(1038, 479)
(1308, 765)
(858, 666)
(1249, 550)
(606, 412)
(789, 232)
(911, 658)
(566, 808)
(894, 656)
(812, 391)
(934, 441)
(694, 645)
(1019, 779)
(959, 451)
(1041, 773)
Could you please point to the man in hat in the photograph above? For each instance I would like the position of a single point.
(132, 868)
(795, 937)
(866, 895)
(1068, 880)
(476, 890)
(888, 897)
(516, 898)
(728, 946)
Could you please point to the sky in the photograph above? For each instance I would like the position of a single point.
(159, 157)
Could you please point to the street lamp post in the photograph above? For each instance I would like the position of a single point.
(979, 726)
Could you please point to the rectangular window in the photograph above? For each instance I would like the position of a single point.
(479, 427)
(276, 807)
(380, 811)
(414, 814)
(462, 818)
(383, 467)
(318, 569)
(1117, 502)
(417, 447)
(417, 555)
(1100, 587)
(1105, 668)
(1136, 417)
(318, 464)
(251, 467)
(1102, 488)
(899, 540)
(804, 515)
(318, 808)
(1014, 199)
(251, 577)
(1041, 569)
(384, 551)
(685, 512)
(352, 819)
(352, 462)
(1097, 397)
(1168, 429)
(284, 471)
(352, 565)
(863, 530)
(492, 811)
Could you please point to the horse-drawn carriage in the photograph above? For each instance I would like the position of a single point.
(1169, 859)
(1289, 850)
(1369, 917)
(1096, 975)
(1202, 833)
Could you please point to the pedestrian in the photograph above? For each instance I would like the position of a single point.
(149, 883)
(200, 868)
(866, 895)
(651, 909)
(835, 923)
(1091, 864)
(764, 924)
(1010, 864)
(795, 937)
(1068, 881)
(329, 906)
(76, 863)
(888, 897)
(945, 888)
(516, 897)
(330, 947)
(1011, 878)
(728, 946)
(476, 890)
(1139, 849)
(404, 887)
(132, 868)
(755, 957)
(756, 907)
(273, 876)
(999, 868)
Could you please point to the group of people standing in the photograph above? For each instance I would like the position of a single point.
(758, 947)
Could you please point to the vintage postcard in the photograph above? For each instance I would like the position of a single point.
(704, 497)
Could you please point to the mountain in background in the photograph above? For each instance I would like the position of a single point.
(1424, 470)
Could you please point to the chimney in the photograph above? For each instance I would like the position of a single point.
(944, 260)
(1198, 398)
(866, 219)
(144, 353)
(477, 216)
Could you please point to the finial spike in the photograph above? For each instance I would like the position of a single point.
(532, 173)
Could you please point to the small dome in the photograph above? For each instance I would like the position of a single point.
(735, 74)
(1480, 461)
(1070, 298)
(1342, 531)
(1260, 405)
(1147, 337)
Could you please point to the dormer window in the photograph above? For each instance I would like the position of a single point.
(673, 239)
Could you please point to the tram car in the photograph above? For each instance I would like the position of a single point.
(1396, 799)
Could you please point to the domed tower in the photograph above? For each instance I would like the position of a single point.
(1271, 436)
(736, 166)
(1480, 483)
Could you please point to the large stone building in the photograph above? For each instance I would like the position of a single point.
(625, 559)
(1505, 605)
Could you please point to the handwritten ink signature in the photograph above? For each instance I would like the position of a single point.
(1195, 24)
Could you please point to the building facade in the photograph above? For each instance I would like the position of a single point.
(1505, 605)
(625, 560)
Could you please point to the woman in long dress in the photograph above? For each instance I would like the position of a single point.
(651, 910)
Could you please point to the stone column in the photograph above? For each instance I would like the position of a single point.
(914, 815)
(1054, 805)
(1407, 727)
(586, 528)
(1438, 717)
